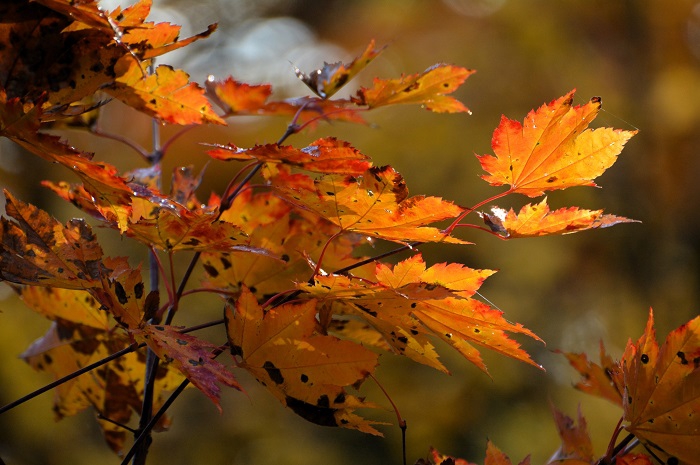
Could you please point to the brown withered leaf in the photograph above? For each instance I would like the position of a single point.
(36, 249)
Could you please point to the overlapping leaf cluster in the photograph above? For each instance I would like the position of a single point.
(304, 313)
(658, 390)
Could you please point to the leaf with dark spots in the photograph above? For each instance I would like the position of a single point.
(282, 349)
(318, 414)
(189, 355)
(553, 149)
(273, 372)
(36, 249)
(113, 390)
(399, 300)
(429, 89)
(167, 225)
(177, 100)
(67, 305)
(327, 156)
(663, 394)
(597, 379)
(374, 204)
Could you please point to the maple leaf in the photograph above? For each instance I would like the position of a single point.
(662, 392)
(36, 249)
(596, 379)
(374, 204)
(148, 39)
(167, 94)
(634, 459)
(327, 155)
(327, 80)
(294, 243)
(169, 226)
(68, 305)
(494, 456)
(115, 389)
(576, 441)
(235, 97)
(123, 293)
(189, 355)
(553, 149)
(51, 64)
(409, 302)
(85, 11)
(304, 370)
(239, 98)
(427, 89)
(539, 220)
(108, 193)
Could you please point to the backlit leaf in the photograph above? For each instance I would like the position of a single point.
(238, 98)
(170, 226)
(596, 379)
(114, 390)
(72, 305)
(303, 369)
(167, 94)
(428, 89)
(539, 220)
(409, 302)
(662, 392)
(374, 204)
(552, 149)
(294, 242)
(191, 356)
(327, 155)
(576, 442)
(326, 81)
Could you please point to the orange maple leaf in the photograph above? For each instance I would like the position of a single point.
(596, 379)
(576, 444)
(427, 89)
(662, 392)
(409, 302)
(374, 204)
(327, 155)
(539, 220)
(303, 369)
(167, 94)
(553, 149)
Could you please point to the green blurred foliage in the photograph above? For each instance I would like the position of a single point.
(640, 56)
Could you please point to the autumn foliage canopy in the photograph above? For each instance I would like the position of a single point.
(303, 311)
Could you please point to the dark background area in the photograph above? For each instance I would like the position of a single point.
(641, 57)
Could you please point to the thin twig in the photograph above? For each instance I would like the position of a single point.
(67, 378)
(145, 433)
(119, 138)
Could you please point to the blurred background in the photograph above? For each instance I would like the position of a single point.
(641, 57)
